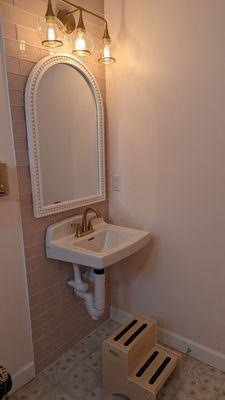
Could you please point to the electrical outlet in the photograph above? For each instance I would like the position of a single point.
(188, 351)
(116, 183)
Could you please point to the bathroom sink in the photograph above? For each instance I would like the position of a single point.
(107, 245)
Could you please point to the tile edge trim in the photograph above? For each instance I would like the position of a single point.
(23, 376)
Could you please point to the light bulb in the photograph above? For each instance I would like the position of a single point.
(51, 33)
(80, 42)
(105, 52)
(83, 43)
(105, 48)
(50, 29)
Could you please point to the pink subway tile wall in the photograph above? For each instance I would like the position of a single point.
(59, 320)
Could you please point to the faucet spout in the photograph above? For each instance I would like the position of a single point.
(86, 226)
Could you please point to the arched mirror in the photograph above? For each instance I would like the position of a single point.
(64, 114)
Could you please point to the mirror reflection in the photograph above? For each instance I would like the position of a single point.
(67, 135)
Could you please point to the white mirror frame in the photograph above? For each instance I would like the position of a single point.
(41, 210)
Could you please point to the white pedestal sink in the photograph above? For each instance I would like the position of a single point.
(107, 245)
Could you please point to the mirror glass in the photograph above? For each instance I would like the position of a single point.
(67, 135)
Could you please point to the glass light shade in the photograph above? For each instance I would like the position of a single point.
(51, 32)
(83, 43)
(105, 52)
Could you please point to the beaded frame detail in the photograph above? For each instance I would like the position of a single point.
(41, 210)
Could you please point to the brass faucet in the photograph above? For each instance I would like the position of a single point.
(86, 227)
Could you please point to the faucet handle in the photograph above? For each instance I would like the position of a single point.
(78, 229)
(90, 226)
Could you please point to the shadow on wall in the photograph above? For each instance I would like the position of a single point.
(129, 49)
(138, 266)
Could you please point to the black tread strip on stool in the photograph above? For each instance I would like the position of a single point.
(147, 364)
(159, 370)
(125, 330)
(135, 334)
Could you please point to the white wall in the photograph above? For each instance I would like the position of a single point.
(166, 111)
(16, 351)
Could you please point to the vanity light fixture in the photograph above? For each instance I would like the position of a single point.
(105, 52)
(83, 43)
(51, 30)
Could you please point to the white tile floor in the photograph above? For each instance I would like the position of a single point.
(77, 375)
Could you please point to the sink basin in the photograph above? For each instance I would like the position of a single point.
(107, 245)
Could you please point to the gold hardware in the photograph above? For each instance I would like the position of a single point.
(80, 24)
(83, 42)
(85, 221)
(4, 185)
(90, 227)
(86, 228)
(49, 13)
(68, 20)
(106, 35)
(78, 229)
(79, 232)
(82, 9)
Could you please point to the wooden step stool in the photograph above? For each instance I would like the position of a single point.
(134, 365)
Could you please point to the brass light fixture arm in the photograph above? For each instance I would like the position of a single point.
(77, 8)
(68, 26)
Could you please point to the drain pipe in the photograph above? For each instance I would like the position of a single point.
(77, 282)
(95, 302)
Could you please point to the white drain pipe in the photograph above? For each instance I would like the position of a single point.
(95, 302)
(77, 282)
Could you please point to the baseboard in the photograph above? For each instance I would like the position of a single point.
(119, 315)
(178, 342)
(23, 376)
